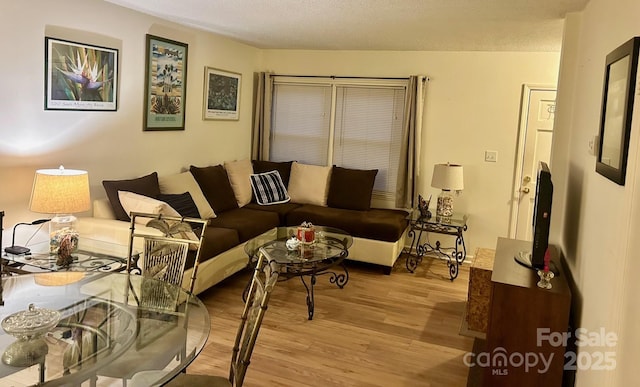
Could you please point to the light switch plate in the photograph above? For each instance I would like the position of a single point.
(593, 145)
(491, 156)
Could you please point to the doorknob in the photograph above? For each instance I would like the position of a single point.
(526, 179)
(524, 190)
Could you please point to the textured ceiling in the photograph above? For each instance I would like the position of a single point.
(406, 25)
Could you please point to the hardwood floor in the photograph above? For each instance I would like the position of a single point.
(380, 330)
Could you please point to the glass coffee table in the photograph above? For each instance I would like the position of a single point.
(323, 256)
(92, 255)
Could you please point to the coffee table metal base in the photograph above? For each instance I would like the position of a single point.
(340, 279)
(288, 271)
(324, 255)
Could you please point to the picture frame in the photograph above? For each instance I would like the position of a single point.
(221, 94)
(617, 107)
(80, 76)
(165, 84)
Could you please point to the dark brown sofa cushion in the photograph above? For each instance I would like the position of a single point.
(283, 167)
(248, 223)
(281, 209)
(381, 224)
(145, 185)
(351, 188)
(215, 185)
(216, 240)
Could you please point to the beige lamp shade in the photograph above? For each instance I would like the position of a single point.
(60, 191)
(447, 177)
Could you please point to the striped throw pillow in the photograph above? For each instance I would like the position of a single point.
(268, 188)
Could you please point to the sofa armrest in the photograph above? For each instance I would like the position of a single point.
(111, 230)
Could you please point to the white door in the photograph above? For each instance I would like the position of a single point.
(534, 145)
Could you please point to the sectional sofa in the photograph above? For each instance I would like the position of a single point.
(244, 199)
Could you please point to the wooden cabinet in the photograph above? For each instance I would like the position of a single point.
(521, 317)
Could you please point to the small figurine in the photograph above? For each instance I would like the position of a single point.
(65, 248)
(423, 206)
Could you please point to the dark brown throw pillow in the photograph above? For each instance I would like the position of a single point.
(215, 185)
(351, 188)
(145, 185)
(283, 168)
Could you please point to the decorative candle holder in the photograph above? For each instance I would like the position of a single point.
(545, 279)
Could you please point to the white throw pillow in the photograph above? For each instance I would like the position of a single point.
(185, 182)
(239, 173)
(309, 184)
(133, 202)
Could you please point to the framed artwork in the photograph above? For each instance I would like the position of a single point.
(165, 84)
(617, 107)
(221, 94)
(80, 76)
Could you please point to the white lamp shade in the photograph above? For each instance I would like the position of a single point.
(60, 191)
(447, 177)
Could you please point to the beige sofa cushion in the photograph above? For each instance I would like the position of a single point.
(309, 184)
(239, 176)
(184, 182)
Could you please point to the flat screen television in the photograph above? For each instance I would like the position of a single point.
(534, 258)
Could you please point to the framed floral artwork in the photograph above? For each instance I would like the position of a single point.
(221, 94)
(80, 76)
(165, 84)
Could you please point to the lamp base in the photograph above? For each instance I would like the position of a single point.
(61, 227)
(16, 250)
(445, 204)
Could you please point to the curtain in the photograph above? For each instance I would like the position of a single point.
(409, 166)
(262, 116)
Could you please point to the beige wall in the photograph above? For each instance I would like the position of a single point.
(109, 145)
(472, 105)
(473, 102)
(600, 220)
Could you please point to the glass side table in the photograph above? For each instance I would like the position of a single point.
(92, 255)
(455, 225)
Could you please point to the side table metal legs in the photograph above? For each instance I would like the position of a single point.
(454, 259)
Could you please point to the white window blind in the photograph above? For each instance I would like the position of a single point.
(368, 130)
(351, 123)
(301, 116)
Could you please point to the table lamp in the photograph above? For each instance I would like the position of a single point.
(447, 177)
(61, 192)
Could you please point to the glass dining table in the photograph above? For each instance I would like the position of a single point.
(79, 328)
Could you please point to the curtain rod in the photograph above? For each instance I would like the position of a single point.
(339, 77)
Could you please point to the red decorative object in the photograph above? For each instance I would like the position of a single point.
(306, 233)
(547, 258)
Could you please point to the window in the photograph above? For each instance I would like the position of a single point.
(351, 123)
(301, 123)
